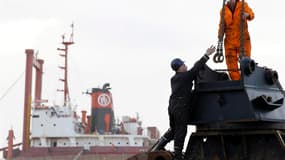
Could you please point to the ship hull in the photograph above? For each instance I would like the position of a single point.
(66, 153)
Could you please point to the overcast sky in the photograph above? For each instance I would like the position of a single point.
(128, 43)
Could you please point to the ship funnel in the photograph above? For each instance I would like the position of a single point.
(106, 86)
(102, 114)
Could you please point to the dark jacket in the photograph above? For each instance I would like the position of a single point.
(182, 82)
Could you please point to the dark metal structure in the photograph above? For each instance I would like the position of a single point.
(238, 120)
(235, 120)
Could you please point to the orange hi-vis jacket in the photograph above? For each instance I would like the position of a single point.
(232, 37)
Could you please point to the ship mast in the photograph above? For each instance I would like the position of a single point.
(66, 44)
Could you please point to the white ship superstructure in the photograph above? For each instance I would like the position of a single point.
(59, 126)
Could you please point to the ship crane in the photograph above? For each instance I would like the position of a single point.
(31, 61)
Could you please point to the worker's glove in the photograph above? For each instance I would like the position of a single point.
(219, 57)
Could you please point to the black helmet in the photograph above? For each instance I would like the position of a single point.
(176, 63)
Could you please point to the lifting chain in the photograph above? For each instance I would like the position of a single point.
(242, 22)
(219, 57)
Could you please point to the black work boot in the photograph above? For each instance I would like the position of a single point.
(161, 143)
(178, 153)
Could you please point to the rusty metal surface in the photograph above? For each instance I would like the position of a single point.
(156, 155)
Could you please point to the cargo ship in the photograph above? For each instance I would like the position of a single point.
(59, 132)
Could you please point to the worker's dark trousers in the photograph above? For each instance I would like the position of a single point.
(178, 117)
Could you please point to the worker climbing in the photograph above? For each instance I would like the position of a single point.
(180, 104)
(233, 120)
(233, 24)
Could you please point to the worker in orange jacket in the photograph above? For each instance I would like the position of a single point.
(231, 28)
